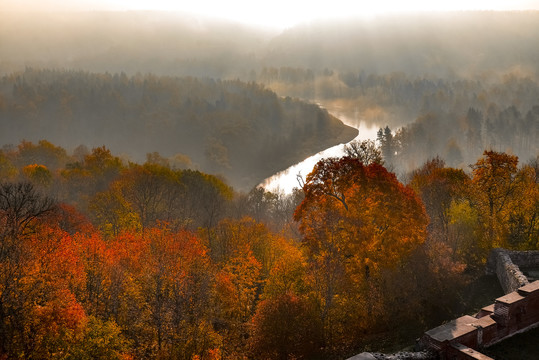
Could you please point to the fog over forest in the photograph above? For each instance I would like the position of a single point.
(465, 44)
(132, 144)
(423, 71)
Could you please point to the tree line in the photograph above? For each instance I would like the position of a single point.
(241, 130)
(102, 258)
(456, 118)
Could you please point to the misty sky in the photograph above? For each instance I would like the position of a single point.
(272, 13)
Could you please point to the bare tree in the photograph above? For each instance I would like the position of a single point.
(366, 151)
(20, 205)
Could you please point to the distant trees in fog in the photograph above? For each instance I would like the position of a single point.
(422, 116)
(242, 130)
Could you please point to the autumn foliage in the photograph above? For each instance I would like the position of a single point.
(356, 221)
(100, 259)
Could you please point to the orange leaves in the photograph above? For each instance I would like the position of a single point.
(237, 284)
(57, 326)
(58, 256)
(356, 221)
(360, 211)
(38, 174)
(62, 313)
(286, 327)
(495, 182)
(155, 284)
(240, 277)
(288, 273)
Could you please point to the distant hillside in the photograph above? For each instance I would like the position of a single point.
(440, 44)
(240, 130)
(315, 61)
(131, 42)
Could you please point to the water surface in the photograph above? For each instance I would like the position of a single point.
(286, 180)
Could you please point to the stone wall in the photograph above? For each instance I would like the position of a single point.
(524, 259)
(501, 263)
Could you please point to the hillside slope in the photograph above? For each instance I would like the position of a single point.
(242, 131)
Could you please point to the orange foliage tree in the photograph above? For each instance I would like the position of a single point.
(356, 220)
(507, 201)
(40, 273)
(495, 181)
(286, 327)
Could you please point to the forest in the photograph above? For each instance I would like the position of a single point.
(454, 118)
(106, 259)
(243, 131)
(132, 144)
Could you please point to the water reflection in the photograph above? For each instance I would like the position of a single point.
(286, 180)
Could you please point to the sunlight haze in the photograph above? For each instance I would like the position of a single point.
(277, 13)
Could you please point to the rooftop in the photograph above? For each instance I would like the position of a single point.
(453, 329)
(510, 298)
(484, 322)
(530, 288)
(489, 308)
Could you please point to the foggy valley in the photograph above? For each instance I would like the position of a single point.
(132, 144)
(384, 70)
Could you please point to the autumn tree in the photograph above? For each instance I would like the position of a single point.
(91, 176)
(40, 273)
(260, 204)
(112, 213)
(101, 339)
(440, 186)
(95, 258)
(523, 222)
(39, 175)
(176, 288)
(204, 199)
(57, 326)
(286, 323)
(495, 182)
(45, 153)
(275, 209)
(355, 221)
(8, 171)
(450, 247)
(242, 252)
(152, 191)
(286, 327)
(20, 206)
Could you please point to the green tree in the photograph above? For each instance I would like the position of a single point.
(387, 145)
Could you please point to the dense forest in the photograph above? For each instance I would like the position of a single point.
(246, 132)
(240, 130)
(440, 85)
(454, 118)
(131, 226)
(103, 259)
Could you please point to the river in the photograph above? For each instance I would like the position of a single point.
(286, 180)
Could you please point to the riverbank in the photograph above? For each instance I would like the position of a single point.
(286, 180)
